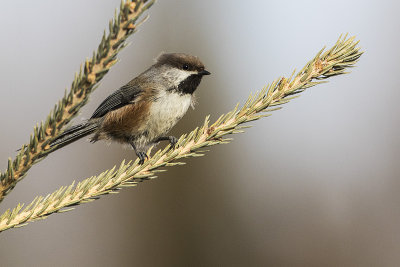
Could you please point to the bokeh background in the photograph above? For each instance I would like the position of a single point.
(316, 184)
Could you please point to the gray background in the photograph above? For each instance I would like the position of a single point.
(316, 184)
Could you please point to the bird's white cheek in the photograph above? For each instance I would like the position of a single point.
(176, 76)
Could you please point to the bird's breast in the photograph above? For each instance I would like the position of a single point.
(165, 111)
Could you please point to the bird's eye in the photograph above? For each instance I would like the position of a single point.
(185, 66)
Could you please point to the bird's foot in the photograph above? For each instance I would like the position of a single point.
(172, 140)
(142, 156)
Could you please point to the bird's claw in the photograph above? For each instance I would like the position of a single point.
(172, 141)
(142, 156)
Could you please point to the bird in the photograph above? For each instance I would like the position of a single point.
(144, 110)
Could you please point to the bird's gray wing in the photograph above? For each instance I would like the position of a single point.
(123, 96)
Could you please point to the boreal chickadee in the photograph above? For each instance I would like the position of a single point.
(142, 112)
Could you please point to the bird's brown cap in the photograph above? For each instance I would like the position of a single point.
(180, 61)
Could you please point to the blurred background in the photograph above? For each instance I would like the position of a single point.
(316, 184)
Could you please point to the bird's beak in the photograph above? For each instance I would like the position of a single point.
(204, 72)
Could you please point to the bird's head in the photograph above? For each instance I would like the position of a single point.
(183, 71)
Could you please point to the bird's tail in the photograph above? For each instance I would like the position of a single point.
(74, 133)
